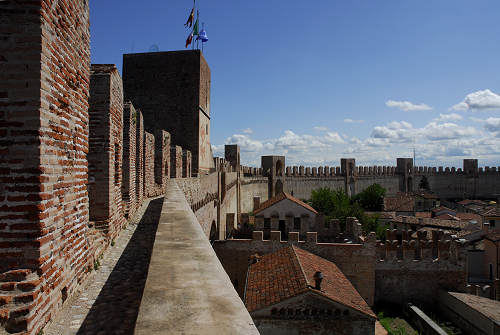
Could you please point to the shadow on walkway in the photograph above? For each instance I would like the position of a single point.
(117, 306)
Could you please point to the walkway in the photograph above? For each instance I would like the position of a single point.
(109, 301)
(187, 290)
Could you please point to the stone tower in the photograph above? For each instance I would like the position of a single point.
(348, 170)
(172, 89)
(274, 169)
(404, 169)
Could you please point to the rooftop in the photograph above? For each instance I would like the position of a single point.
(488, 307)
(402, 202)
(280, 197)
(289, 272)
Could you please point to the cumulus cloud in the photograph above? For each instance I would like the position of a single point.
(320, 128)
(407, 106)
(248, 131)
(246, 143)
(480, 100)
(445, 131)
(492, 124)
(353, 121)
(448, 117)
(396, 131)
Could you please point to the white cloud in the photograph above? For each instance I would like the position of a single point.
(396, 131)
(320, 128)
(407, 106)
(480, 100)
(353, 121)
(492, 124)
(246, 144)
(248, 131)
(448, 117)
(446, 131)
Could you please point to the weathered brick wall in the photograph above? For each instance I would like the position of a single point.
(106, 149)
(186, 164)
(129, 196)
(139, 157)
(162, 157)
(414, 271)
(175, 161)
(173, 91)
(357, 261)
(44, 88)
(156, 155)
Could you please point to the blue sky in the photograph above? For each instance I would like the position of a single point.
(322, 80)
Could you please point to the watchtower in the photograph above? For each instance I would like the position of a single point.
(471, 167)
(404, 169)
(348, 170)
(274, 169)
(172, 89)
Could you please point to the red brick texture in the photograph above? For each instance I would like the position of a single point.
(176, 162)
(44, 85)
(129, 196)
(106, 149)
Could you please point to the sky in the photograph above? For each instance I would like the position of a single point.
(317, 81)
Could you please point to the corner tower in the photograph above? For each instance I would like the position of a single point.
(172, 89)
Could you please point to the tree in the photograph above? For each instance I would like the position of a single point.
(372, 198)
(424, 184)
(336, 204)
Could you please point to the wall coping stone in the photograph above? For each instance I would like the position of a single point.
(187, 290)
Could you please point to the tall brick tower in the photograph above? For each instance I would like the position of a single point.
(172, 89)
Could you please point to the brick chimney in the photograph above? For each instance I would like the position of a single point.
(318, 278)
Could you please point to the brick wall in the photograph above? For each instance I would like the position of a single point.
(129, 196)
(139, 157)
(44, 88)
(173, 91)
(106, 149)
(186, 164)
(175, 162)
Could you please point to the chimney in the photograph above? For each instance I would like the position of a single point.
(486, 227)
(318, 277)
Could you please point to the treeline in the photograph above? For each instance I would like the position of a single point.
(336, 204)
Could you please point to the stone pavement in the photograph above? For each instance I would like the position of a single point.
(108, 302)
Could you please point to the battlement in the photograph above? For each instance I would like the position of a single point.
(440, 170)
(440, 247)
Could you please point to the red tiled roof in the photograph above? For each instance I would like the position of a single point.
(469, 202)
(289, 272)
(426, 195)
(442, 208)
(491, 211)
(447, 216)
(400, 203)
(423, 214)
(283, 196)
(469, 217)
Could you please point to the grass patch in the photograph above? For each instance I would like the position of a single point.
(395, 325)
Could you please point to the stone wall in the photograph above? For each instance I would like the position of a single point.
(45, 240)
(415, 270)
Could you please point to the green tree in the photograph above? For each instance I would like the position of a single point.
(372, 198)
(424, 184)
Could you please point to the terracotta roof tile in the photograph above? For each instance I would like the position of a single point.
(402, 202)
(289, 272)
(493, 236)
(280, 197)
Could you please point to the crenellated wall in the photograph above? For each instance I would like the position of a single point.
(414, 270)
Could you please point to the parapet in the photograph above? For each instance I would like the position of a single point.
(439, 248)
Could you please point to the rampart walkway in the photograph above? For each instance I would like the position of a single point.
(187, 290)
